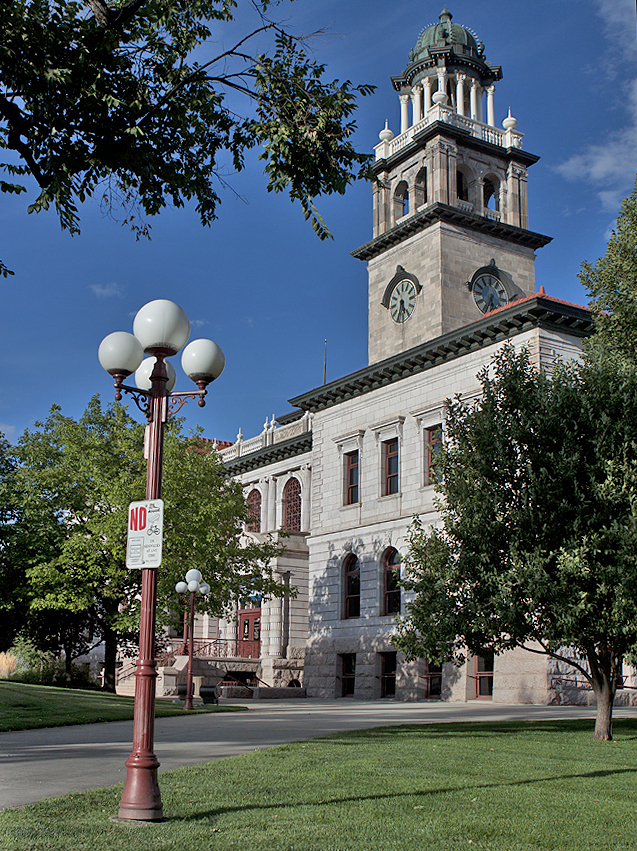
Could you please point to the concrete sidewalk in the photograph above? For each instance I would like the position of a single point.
(38, 764)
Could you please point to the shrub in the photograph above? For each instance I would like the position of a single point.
(8, 665)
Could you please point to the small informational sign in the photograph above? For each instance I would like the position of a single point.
(145, 533)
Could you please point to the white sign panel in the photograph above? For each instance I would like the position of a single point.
(145, 533)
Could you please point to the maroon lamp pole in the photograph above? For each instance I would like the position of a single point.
(192, 585)
(161, 329)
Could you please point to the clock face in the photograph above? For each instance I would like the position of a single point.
(489, 293)
(402, 301)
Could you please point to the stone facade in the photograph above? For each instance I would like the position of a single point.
(450, 216)
(443, 258)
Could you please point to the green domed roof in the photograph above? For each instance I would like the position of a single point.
(446, 34)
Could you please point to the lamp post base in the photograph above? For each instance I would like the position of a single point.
(141, 799)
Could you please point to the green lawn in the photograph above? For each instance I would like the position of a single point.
(527, 786)
(23, 707)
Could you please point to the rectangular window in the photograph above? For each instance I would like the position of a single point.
(351, 478)
(390, 466)
(392, 590)
(348, 674)
(433, 681)
(483, 675)
(388, 674)
(433, 447)
(352, 588)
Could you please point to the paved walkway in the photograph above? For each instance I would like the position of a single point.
(38, 764)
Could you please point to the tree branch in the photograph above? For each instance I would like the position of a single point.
(16, 121)
(546, 652)
(189, 78)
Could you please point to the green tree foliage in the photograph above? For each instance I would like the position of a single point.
(13, 603)
(75, 481)
(538, 536)
(128, 99)
(612, 286)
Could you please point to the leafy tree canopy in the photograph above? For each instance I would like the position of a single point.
(76, 480)
(612, 286)
(538, 536)
(128, 99)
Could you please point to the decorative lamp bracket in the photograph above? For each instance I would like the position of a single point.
(137, 394)
(176, 401)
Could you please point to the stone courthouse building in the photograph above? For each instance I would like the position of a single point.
(451, 278)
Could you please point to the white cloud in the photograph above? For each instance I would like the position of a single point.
(611, 164)
(199, 322)
(620, 24)
(107, 290)
(7, 430)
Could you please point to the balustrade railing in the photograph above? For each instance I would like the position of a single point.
(271, 434)
(219, 648)
(494, 135)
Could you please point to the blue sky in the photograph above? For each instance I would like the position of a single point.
(259, 282)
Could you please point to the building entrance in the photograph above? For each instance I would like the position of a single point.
(249, 638)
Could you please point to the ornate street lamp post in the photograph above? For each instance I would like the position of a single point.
(160, 329)
(192, 585)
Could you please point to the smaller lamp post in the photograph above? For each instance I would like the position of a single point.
(192, 585)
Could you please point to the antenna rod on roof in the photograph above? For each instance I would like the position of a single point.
(325, 363)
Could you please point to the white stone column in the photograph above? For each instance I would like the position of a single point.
(416, 98)
(460, 78)
(271, 516)
(404, 113)
(306, 487)
(264, 491)
(490, 106)
(442, 86)
(271, 619)
(474, 99)
(280, 490)
(427, 87)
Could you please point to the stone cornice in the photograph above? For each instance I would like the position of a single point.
(270, 454)
(486, 72)
(506, 322)
(458, 134)
(453, 215)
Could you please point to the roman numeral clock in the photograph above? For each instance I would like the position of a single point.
(400, 295)
(492, 288)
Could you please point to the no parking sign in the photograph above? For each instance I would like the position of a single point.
(145, 533)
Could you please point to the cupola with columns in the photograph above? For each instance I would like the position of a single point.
(450, 200)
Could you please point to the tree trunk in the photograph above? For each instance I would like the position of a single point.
(110, 658)
(604, 682)
(68, 666)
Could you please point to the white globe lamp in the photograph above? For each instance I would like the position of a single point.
(145, 370)
(162, 327)
(203, 361)
(120, 353)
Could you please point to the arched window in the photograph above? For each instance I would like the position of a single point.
(352, 581)
(401, 200)
(292, 506)
(254, 511)
(420, 188)
(391, 588)
(491, 195)
(462, 189)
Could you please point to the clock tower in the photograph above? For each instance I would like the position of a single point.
(450, 234)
